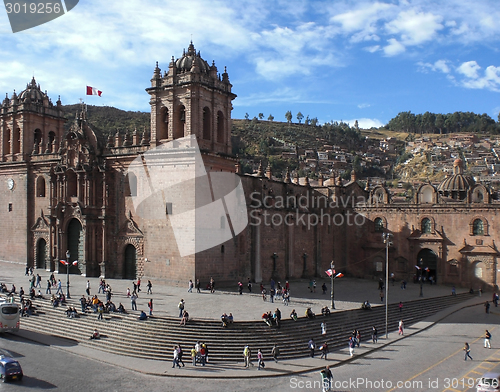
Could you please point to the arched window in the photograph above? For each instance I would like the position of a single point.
(206, 123)
(179, 122)
(379, 225)
(426, 226)
(132, 184)
(38, 136)
(16, 142)
(40, 186)
(478, 227)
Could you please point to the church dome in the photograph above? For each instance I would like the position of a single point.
(32, 93)
(190, 58)
(457, 185)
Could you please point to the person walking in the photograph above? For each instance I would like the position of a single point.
(150, 306)
(48, 290)
(260, 360)
(374, 334)
(400, 306)
(190, 286)
(179, 355)
(176, 357)
(358, 337)
(400, 327)
(198, 285)
(133, 300)
(59, 287)
(275, 352)
(487, 338)
(323, 328)
(181, 307)
(249, 285)
(87, 289)
(487, 306)
(312, 347)
(324, 351)
(150, 287)
(326, 379)
(352, 343)
(193, 355)
(467, 351)
(246, 356)
(100, 310)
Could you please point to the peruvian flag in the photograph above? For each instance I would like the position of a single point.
(75, 262)
(417, 267)
(93, 91)
(63, 262)
(330, 272)
(339, 275)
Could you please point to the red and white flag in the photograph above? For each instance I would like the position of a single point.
(93, 91)
(339, 275)
(63, 262)
(329, 272)
(75, 262)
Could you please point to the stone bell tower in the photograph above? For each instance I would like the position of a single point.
(193, 98)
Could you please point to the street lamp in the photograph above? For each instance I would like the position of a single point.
(387, 241)
(67, 274)
(332, 277)
(421, 263)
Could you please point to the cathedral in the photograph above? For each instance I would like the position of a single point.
(68, 194)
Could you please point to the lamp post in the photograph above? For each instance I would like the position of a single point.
(421, 263)
(387, 241)
(332, 277)
(67, 274)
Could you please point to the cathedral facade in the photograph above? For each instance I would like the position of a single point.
(67, 195)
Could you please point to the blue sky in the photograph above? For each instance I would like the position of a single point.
(334, 60)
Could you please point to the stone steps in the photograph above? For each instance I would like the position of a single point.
(155, 338)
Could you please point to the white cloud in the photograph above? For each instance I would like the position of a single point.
(394, 48)
(438, 66)
(414, 27)
(372, 49)
(470, 69)
(365, 123)
(364, 105)
(489, 80)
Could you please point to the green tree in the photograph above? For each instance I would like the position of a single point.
(270, 118)
(314, 121)
(288, 116)
(247, 116)
(261, 116)
(300, 116)
(356, 125)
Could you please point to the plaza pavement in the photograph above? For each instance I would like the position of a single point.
(349, 294)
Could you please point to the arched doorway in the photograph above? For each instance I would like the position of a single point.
(130, 262)
(41, 253)
(75, 245)
(428, 259)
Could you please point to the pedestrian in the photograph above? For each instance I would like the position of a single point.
(487, 338)
(374, 334)
(487, 306)
(314, 286)
(198, 285)
(275, 352)
(400, 327)
(323, 287)
(150, 287)
(358, 337)
(312, 347)
(260, 360)
(193, 355)
(246, 356)
(352, 344)
(48, 291)
(467, 351)
(100, 310)
(212, 285)
(150, 306)
(326, 379)
(87, 290)
(249, 285)
(135, 289)
(323, 328)
(324, 351)
(271, 295)
(176, 356)
(240, 287)
(133, 299)
(495, 299)
(27, 271)
(400, 306)
(453, 291)
(59, 287)
(380, 284)
(190, 286)
(181, 307)
(38, 281)
(381, 295)
(179, 355)
(128, 293)
(138, 285)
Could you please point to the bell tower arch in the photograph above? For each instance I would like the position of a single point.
(191, 97)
